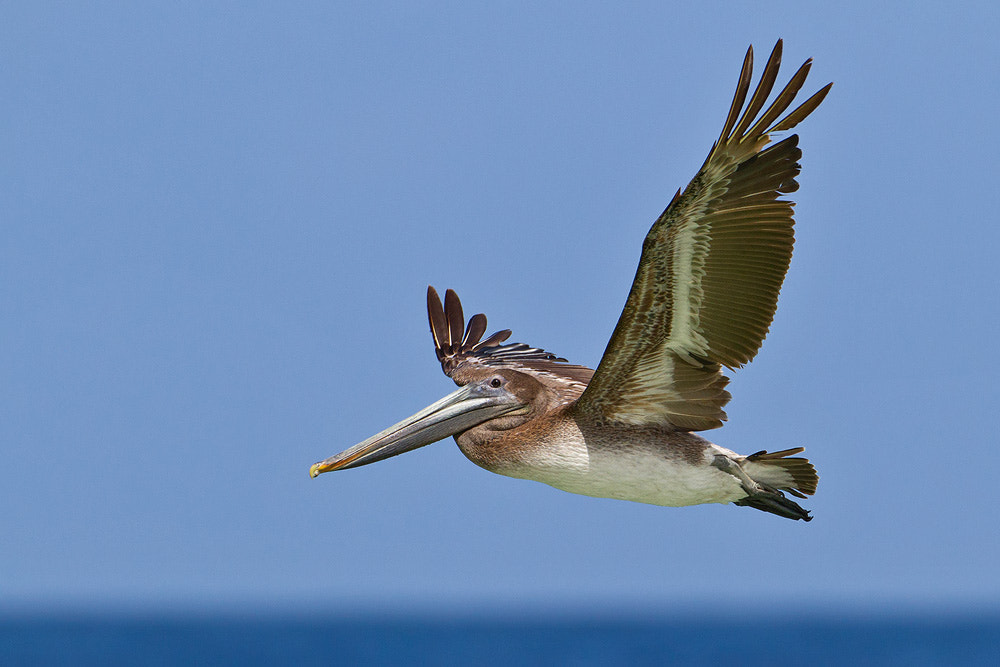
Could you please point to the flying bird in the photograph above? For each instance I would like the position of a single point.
(702, 300)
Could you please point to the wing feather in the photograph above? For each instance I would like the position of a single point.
(742, 87)
(711, 268)
(764, 88)
(474, 332)
(459, 348)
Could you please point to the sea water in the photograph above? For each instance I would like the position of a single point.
(178, 639)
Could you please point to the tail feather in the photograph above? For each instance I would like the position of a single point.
(764, 477)
(795, 475)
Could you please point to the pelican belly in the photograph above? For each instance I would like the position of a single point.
(671, 469)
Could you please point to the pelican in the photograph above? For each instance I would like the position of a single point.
(703, 299)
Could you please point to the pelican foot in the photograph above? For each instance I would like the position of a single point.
(759, 495)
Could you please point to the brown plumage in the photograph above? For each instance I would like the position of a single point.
(684, 320)
(703, 298)
(459, 347)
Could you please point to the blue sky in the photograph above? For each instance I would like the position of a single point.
(219, 222)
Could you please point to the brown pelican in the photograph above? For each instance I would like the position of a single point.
(703, 298)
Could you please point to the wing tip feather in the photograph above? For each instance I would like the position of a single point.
(457, 343)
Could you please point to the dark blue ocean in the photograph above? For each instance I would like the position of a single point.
(150, 639)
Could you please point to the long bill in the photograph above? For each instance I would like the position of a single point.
(456, 412)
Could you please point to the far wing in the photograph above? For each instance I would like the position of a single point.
(710, 272)
(459, 348)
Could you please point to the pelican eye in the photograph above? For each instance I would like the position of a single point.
(495, 382)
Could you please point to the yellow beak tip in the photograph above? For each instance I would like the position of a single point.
(314, 471)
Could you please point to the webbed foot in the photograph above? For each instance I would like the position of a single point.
(759, 495)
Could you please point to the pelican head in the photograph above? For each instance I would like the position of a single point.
(502, 387)
(495, 400)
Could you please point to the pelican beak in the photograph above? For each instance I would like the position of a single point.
(455, 413)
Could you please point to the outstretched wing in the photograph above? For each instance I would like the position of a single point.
(459, 347)
(711, 268)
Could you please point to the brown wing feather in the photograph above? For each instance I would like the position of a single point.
(710, 272)
(459, 347)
